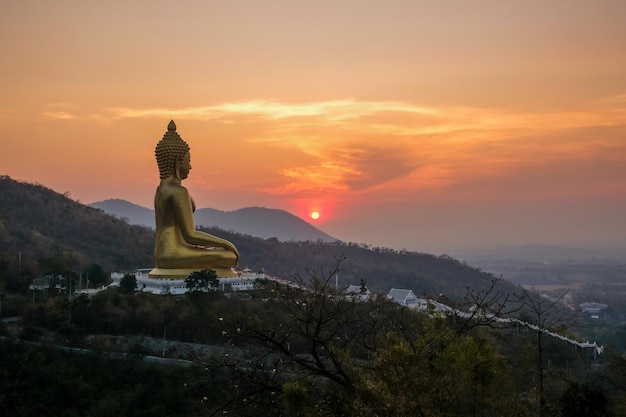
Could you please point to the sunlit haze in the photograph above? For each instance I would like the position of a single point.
(419, 125)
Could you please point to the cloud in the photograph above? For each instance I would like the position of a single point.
(375, 163)
(65, 111)
(331, 110)
(353, 146)
(61, 115)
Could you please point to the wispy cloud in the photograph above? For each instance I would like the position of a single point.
(332, 110)
(68, 111)
(358, 145)
(60, 115)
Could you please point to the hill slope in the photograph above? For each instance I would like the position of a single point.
(254, 221)
(381, 268)
(38, 222)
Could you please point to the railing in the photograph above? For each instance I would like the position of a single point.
(507, 320)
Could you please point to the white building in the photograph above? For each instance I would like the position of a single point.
(359, 291)
(408, 299)
(244, 281)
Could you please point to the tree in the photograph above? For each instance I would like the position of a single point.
(545, 313)
(305, 338)
(435, 373)
(332, 354)
(57, 265)
(95, 274)
(202, 281)
(128, 283)
(583, 401)
(316, 327)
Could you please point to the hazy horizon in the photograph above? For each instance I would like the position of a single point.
(471, 251)
(407, 124)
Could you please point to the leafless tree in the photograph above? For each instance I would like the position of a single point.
(546, 314)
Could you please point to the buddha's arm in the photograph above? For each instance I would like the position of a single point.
(184, 217)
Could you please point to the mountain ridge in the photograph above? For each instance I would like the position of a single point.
(254, 221)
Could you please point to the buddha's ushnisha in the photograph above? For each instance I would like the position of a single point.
(178, 244)
(169, 149)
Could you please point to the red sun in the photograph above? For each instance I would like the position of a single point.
(315, 215)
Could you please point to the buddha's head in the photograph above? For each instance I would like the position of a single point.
(170, 151)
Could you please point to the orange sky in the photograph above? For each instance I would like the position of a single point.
(423, 125)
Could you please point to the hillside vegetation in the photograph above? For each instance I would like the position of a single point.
(304, 350)
(381, 268)
(42, 231)
(55, 234)
(308, 349)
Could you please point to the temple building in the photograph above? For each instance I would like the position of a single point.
(244, 281)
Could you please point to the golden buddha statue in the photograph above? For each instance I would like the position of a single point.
(181, 249)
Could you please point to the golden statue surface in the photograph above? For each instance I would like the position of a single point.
(181, 249)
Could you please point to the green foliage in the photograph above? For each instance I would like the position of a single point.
(128, 283)
(38, 224)
(381, 268)
(296, 396)
(371, 358)
(204, 281)
(584, 401)
(59, 264)
(304, 349)
(312, 351)
(431, 373)
(39, 380)
(95, 274)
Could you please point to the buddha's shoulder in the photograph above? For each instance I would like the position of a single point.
(173, 190)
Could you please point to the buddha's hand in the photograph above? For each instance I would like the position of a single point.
(230, 247)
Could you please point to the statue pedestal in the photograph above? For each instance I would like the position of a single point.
(178, 274)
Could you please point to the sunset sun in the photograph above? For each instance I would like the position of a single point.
(315, 215)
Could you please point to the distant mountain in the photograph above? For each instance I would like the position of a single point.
(127, 211)
(262, 222)
(254, 221)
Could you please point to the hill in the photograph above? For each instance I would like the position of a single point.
(254, 221)
(381, 268)
(38, 223)
(41, 224)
